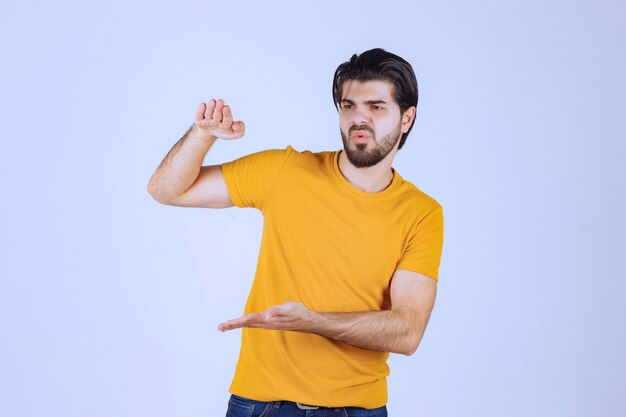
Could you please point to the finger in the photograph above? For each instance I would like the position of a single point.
(208, 112)
(224, 327)
(227, 115)
(200, 112)
(217, 113)
(231, 324)
(242, 321)
(239, 126)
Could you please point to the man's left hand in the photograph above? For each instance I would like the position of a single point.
(287, 316)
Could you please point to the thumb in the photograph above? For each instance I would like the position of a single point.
(279, 310)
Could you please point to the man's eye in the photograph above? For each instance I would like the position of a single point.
(375, 107)
(347, 106)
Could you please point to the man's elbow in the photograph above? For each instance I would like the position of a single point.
(410, 344)
(159, 196)
(408, 350)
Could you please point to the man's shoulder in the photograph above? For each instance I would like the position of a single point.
(412, 194)
(307, 153)
(307, 157)
(291, 151)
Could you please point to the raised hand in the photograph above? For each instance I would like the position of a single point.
(216, 119)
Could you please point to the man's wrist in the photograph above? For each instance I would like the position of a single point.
(314, 322)
(201, 134)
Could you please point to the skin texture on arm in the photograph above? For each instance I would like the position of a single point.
(180, 179)
(397, 330)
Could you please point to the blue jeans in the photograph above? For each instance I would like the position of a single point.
(243, 407)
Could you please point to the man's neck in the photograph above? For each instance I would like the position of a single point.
(371, 179)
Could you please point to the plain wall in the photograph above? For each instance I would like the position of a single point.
(109, 301)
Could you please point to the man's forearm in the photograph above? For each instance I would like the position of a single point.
(399, 330)
(181, 166)
(396, 331)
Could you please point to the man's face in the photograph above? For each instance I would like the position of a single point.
(370, 121)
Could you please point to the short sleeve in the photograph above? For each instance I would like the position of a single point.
(423, 250)
(249, 179)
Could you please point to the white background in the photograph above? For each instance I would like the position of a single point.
(109, 301)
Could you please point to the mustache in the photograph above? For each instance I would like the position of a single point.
(361, 127)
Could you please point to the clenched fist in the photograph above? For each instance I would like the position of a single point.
(216, 119)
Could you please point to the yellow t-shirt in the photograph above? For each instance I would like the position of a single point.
(334, 248)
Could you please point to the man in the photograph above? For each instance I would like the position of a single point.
(349, 257)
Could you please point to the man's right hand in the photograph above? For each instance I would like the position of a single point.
(216, 119)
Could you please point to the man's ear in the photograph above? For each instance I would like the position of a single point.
(407, 118)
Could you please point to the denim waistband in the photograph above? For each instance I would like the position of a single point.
(303, 409)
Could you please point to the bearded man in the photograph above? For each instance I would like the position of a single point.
(349, 258)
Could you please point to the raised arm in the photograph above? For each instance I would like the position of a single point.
(180, 179)
(398, 330)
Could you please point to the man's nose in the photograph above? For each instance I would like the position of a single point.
(361, 117)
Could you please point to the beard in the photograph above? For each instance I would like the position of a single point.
(366, 155)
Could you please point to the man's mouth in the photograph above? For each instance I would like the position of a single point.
(360, 135)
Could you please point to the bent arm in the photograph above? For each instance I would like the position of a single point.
(398, 330)
(180, 179)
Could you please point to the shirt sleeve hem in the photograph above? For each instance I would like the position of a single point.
(231, 186)
(420, 269)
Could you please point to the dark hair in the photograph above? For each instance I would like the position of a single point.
(378, 64)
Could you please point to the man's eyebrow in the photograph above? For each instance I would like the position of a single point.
(368, 102)
(375, 102)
